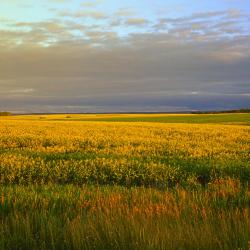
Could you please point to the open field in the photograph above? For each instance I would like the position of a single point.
(125, 181)
(234, 118)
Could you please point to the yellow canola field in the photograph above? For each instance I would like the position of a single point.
(121, 152)
(125, 138)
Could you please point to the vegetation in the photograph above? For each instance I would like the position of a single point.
(244, 110)
(227, 119)
(88, 217)
(121, 153)
(5, 113)
(67, 183)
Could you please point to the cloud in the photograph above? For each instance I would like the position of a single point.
(59, 1)
(229, 56)
(125, 12)
(207, 20)
(21, 91)
(15, 92)
(91, 4)
(85, 13)
(136, 21)
(172, 63)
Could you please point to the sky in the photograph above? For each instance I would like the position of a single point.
(124, 56)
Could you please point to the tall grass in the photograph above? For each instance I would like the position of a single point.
(95, 217)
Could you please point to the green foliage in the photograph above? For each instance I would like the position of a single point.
(80, 168)
(206, 118)
(244, 110)
(95, 217)
(196, 118)
(5, 113)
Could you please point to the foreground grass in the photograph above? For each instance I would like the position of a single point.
(95, 217)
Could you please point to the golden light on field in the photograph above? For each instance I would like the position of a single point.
(119, 152)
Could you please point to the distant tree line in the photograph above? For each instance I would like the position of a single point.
(5, 113)
(222, 111)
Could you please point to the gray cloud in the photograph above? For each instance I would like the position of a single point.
(196, 62)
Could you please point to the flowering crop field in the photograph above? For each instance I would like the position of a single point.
(125, 182)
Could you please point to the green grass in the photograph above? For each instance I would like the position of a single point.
(99, 217)
(204, 118)
(227, 118)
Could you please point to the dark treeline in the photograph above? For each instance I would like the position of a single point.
(246, 110)
(5, 113)
(222, 111)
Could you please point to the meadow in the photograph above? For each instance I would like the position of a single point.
(120, 181)
(222, 118)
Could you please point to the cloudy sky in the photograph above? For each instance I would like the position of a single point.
(126, 55)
